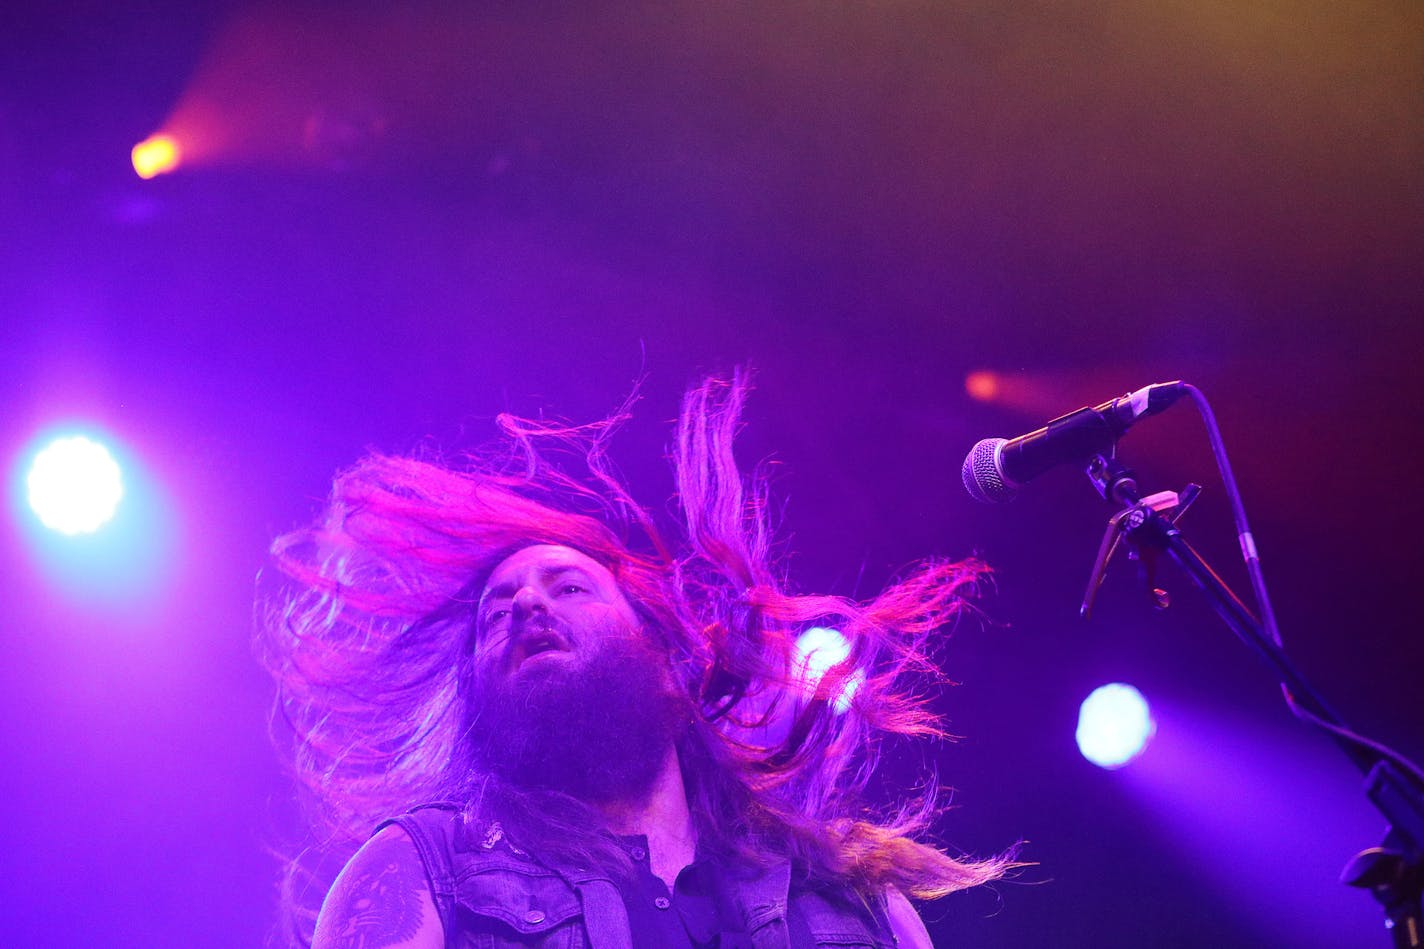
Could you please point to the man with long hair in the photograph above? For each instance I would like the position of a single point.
(565, 731)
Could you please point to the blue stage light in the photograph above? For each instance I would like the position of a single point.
(1114, 725)
(74, 485)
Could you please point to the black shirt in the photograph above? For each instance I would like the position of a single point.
(696, 914)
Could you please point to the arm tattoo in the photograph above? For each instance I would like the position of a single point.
(380, 905)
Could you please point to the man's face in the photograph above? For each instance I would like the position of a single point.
(546, 605)
(571, 694)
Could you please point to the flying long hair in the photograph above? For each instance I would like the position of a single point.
(370, 645)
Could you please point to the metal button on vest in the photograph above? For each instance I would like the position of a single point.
(637, 853)
(534, 916)
(662, 902)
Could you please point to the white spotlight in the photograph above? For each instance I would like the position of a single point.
(817, 651)
(1114, 725)
(74, 485)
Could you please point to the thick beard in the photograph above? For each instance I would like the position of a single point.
(597, 729)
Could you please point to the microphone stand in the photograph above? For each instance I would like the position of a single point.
(1394, 871)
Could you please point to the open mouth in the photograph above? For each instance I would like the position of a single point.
(541, 642)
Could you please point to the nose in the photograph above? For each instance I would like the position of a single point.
(527, 602)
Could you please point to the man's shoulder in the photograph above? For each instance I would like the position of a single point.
(437, 822)
(905, 921)
(381, 897)
(446, 833)
(836, 909)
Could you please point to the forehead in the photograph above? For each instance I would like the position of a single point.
(541, 559)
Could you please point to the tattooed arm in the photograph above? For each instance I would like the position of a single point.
(381, 899)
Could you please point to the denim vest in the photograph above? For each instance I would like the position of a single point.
(491, 894)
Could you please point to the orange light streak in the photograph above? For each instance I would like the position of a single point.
(156, 155)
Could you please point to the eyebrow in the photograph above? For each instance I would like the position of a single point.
(507, 589)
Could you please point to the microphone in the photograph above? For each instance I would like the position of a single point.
(996, 468)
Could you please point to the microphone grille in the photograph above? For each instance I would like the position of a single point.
(982, 477)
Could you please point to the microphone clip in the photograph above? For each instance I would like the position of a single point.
(1107, 475)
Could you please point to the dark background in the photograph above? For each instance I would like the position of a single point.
(398, 220)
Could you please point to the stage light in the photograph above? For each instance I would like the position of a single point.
(156, 155)
(819, 649)
(74, 485)
(982, 385)
(1114, 725)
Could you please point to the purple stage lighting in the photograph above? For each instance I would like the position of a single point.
(74, 485)
(1114, 725)
(817, 651)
